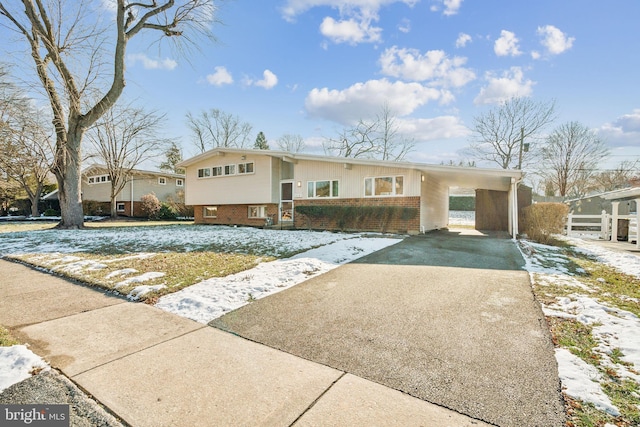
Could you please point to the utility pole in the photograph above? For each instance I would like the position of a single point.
(521, 148)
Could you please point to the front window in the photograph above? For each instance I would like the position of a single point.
(210, 211)
(96, 179)
(204, 173)
(244, 168)
(179, 182)
(322, 189)
(384, 186)
(217, 171)
(162, 180)
(230, 170)
(257, 211)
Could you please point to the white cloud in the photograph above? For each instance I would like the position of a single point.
(535, 54)
(500, 88)
(624, 131)
(151, 64)
(451, 7)
(220, 77)
(404, 26)
(554, 40)
(350, 31)
(434, 66)
(269, 80)
(363, 100)
(437, 128)
(293, 8)
(462, 40)
(507, 44)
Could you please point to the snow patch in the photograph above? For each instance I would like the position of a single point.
(16, 364)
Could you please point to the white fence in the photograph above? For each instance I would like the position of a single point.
(599, 226)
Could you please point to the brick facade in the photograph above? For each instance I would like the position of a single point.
(235, 215)
(395, 224)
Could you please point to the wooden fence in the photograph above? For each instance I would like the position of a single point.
(599, 226)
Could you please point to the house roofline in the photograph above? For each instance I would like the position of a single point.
(134, 171)
(507, 173)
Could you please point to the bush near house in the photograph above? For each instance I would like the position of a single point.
(542, 220)
(150, 205)
(356, 217)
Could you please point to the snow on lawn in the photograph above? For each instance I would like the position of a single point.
(16, 364)
(212, 298)
(612, 328)
(169, 238)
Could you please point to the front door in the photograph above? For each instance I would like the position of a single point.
(286, 201)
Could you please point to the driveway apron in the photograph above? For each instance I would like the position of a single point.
(447, 317)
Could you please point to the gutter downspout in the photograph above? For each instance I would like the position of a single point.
(131, 200)
(514, 207)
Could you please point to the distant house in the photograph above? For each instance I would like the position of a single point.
(594, 204)
(264, 187)
(96, 190)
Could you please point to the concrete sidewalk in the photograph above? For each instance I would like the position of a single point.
(152, 368)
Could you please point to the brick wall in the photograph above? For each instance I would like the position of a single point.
(235, 215)
(395, 224)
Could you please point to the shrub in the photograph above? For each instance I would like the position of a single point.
(150, 205)
(542, 220)
(166, 212)
(51, 212)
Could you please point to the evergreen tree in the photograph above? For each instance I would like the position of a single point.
(173, 156)
(261, 142)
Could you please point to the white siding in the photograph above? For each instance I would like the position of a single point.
(257, 187)
(351, 180)
(434, 204)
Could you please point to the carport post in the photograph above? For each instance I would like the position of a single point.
(514, 208)
(614, 221)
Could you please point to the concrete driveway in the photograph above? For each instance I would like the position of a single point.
(446, 317)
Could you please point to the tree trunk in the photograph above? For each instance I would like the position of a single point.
(114, 205)
(68, 174)
(35, 200)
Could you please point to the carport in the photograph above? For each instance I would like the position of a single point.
(496, 196)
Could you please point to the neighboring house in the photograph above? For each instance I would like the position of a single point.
(594, 204)
(263, 187)
(96, 190)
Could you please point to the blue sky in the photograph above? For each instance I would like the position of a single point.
(312, 67)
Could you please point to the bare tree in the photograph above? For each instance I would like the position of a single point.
(291, 143)
(123, 138)
(25, 144)
(393, 145)
(379, 138)
(617, 178)
(570, 157)
(501, 134)
(70, 46)
(215, 128)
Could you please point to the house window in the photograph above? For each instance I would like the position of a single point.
(162, 180)
(98, 179)
(322, 189)
(244, 168)
(384, 186)
(230, 170)
(120, 207)
(217, 171)
(204, 173)
(257, 211)
(179, 182)
(210, 211)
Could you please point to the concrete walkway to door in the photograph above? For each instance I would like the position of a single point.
(448, 317)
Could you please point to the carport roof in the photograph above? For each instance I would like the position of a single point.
(452, 176)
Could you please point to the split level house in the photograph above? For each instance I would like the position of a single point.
(265, 187)
(96, 190)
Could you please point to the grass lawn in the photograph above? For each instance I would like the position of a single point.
(147, 259)
(612, 288)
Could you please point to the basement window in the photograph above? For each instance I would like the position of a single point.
(210, 211)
